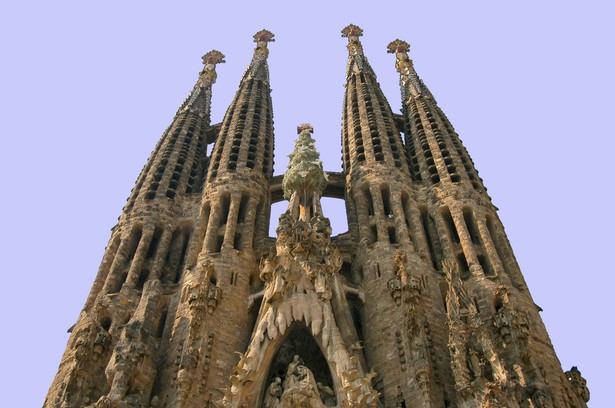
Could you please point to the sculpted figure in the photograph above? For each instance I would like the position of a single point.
(273, 394)
(300, 388)
(502, 322)
(394, 286)
(292, 372)
(457, 300)
(214, 293)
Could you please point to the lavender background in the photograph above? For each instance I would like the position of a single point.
(87, 88)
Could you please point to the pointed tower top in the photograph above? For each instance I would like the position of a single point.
(199, 98)
(410, 83)
(258, 67)
(353, 32)
(207, 76)
(305, 174)
(403, 63)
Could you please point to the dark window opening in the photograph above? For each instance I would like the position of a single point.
(219, 242)
(161, 323)
(386, 201)
(471, 225)
(463, 264)
(143, 277)
(450, 225)
(392, 236)
(224, 208)
(486, 265)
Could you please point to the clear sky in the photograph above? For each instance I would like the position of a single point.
(87, 88)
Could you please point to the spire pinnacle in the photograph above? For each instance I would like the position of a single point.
(261, 39)
(403, 63)
(207, 76)
(258, 67)
(353, 32)
(410, 83)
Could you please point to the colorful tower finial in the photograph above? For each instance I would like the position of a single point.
(213, 57)
(264, 36)
(403, 63)
(258, 66)
(207, 76)
(398, 46)
(353, 32)
(261, 39)
(409, 81)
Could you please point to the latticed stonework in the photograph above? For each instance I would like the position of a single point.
(420, 304)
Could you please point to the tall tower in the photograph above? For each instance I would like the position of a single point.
(420, 304)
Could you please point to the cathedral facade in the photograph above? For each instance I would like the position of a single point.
(420, 303)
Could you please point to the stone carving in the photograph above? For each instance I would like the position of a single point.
(298, 390)
(501, 320)
(214, 293)
(126, 372)
(458, 303)
(188, 363)
(273, 394)
(394, 286)
(403, 283)
(578, 383)
(477, 368)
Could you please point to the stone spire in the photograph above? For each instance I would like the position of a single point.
(369, 132)
(246, 135)
(410, 82)
(167, 172)
(356, 59)
(200, 96)
(258, 68)
(434, 148)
